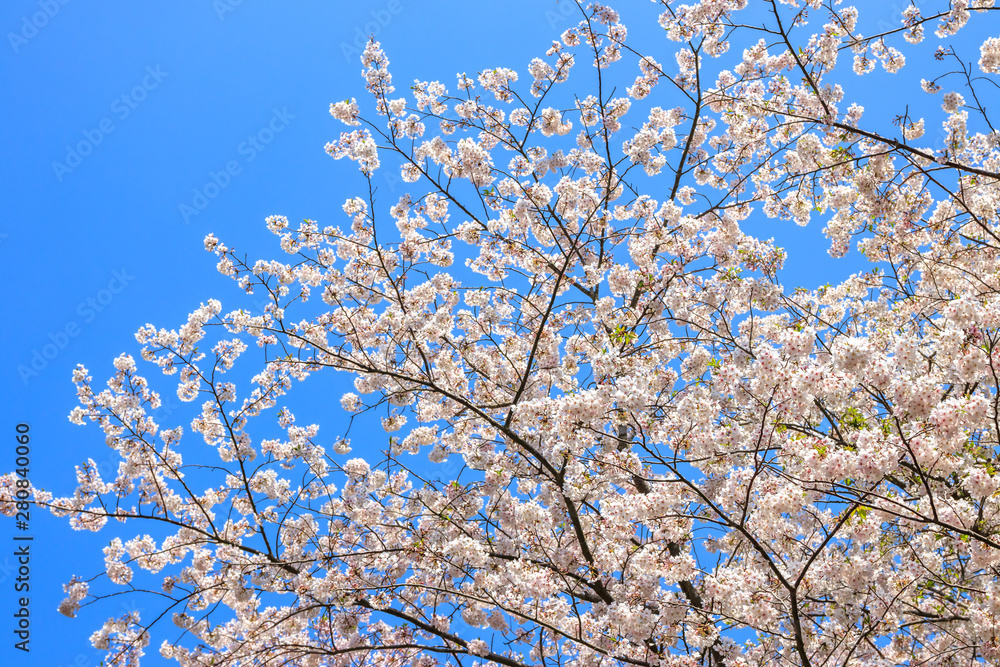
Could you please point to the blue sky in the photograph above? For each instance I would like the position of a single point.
(131, 131)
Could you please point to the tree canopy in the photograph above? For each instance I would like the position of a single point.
(668, 457)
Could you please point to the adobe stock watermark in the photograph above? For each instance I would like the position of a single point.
(30, 25)
(249, 149)
(223, 7)
(392, 178)
(86, 312)
(563, 11)
(380, 19)
(122, 107)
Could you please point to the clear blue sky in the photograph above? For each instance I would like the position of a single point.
(116, 117)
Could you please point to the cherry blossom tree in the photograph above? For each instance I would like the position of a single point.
(667, 456)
